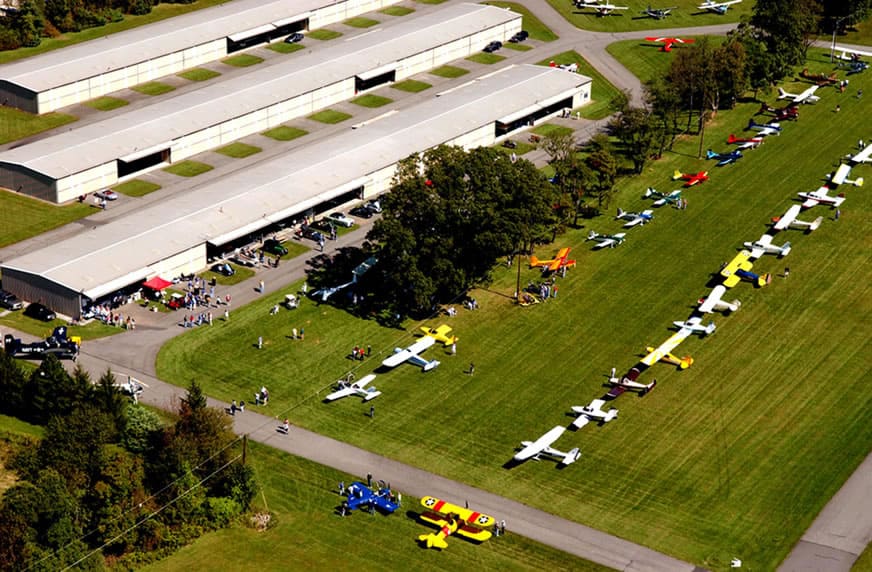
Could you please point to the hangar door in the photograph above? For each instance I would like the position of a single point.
(266, 33)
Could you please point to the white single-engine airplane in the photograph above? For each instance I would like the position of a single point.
(593, 412)
(635, 218)
(840, 177)
(789, 220)
(610, 240)
(410, 354)
(713, 302)
(695, 326)
(820, 197)
(542, 446)
(344, 389)
(764, 129)
(605, 9)
(717, 7)
(662, 198)
(764, 246)
(806, 96)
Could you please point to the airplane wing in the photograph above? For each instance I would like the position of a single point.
(539, 445)
(417, 360)
(634, 221)
(339, 394)
(667, 346)
(861, 157)
(412, 351)
(787, 218)
(841, 174)
(581, 420)
(712, 299)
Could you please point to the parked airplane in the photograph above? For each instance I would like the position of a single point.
(820, 79)
(361, 496)
(450, 519)
(635, 218)
(765, 129)
(739, 268)
(628, 383)
(555, 263)
(542, 446)
(724, 158)
(806, 96)
(765, 246)
(820, 197)
(605, 9)
(673, 198)
(667, 42)
(593, 412)
(410, 354)
(840, 177)
(344, 389)
(610, 240)
(856, 67)
(695, 326)
(789, 220)
(658, 13)
(745, 143)
(790, 112)
(717, 7)
(657, 354)
(359, 270)
(713, 302)
(690, 179)
(57, 344)
(441, 334)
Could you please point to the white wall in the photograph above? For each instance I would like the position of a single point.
(85, 182)
(193, 260)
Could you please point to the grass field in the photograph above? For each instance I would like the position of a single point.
(686, 14)
(864, 563)
(360, 22)
(411, 86)
(153, 88)
(242, 274)
(107, 103)
(449, 71)
(16, 124)
(861, 34)
(285, 133)
(518, 47)
(13, 433)
(239, 150)
(302, 499)
(397, 11)
(283, 48)
(22, 323)
(188, 168)
(602, 90)
(485, 58)
(371, 100)
(330, 116)
(198, 74)
(242, 60)
(537, 29)
(550, 129)
(324, 34)
(23, 217)
(733, 457)
(136, 188)
(645, 59)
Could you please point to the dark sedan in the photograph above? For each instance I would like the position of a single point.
(39, 312)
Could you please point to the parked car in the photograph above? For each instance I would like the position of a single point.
(223, 269)
(107, 194)
(362, 211)
(39, 312)
(294, 38)
(307, 231)
(520, 36)
(341, 219)
(273, 246)
(9, 301)
(493, 46)
(374, 205)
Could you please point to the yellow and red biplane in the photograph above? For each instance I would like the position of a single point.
(556, 263)
(440, 334)
(453, 519)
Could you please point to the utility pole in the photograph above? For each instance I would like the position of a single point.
(244, 449)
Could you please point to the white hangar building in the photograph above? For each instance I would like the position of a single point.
(176, 235)
(64, 166)
(88, 70)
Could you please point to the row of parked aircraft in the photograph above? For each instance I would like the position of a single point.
(733, 272)
(605, 8)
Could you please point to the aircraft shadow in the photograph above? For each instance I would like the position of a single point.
(511, 464)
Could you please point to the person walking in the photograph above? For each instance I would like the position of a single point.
(260, 342)
(372, 411)
(471, 368)
(260, 287)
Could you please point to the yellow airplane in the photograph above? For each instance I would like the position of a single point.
(739, 268)
(655, 354)
(440, 334)
(452, 519)
(555, 263)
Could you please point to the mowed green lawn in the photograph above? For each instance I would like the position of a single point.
(733, 457)
(645, 59)
(302, 497)
(22, 217)
(685, 14)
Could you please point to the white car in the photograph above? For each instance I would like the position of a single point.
(107, 194)
(341, 219)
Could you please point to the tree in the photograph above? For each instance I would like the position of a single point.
(604, 170)
(108, 398)
(665, 105)
(787, 28)
(636, 129)
(12, 386)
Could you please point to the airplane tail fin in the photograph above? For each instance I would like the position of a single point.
(10, 344)
(592, 235)
(620, 213)
(676, 175)
(572, 456)
(709, 154)
(433, 541)
(731, 139)
(648, 193)
(782, 94)
(534, 261)
(815, 223)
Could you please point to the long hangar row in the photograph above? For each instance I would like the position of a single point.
(85, 71)
(97, 155)
(179, 234)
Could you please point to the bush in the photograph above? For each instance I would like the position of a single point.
(220, 511)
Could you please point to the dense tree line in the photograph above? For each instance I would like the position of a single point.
(109, 482)
(36, 19)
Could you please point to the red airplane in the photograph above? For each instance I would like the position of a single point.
(667, 42)
(782, 113)
(690, 179)
(744, 143)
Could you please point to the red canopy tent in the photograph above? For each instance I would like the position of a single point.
(157, 284)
